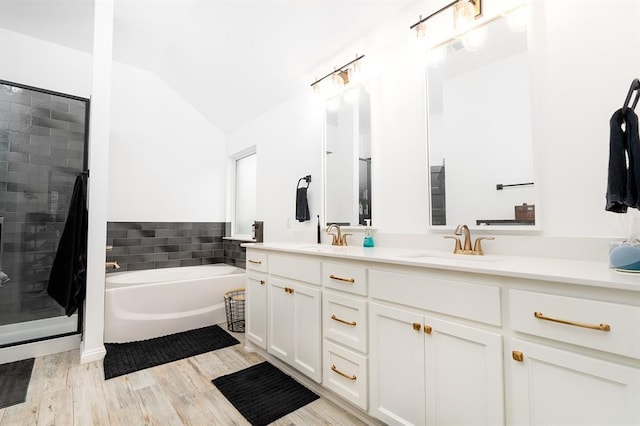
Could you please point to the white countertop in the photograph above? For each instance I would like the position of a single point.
(582, 272)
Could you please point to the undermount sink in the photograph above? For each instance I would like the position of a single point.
(434, 256)
(322, 248)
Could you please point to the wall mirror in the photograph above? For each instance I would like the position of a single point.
(481, 168)
(348, 158)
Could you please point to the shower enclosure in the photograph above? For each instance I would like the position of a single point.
(43, 147)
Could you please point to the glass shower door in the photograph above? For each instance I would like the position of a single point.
(43, 140)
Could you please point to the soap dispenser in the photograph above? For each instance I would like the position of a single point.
(368, 237)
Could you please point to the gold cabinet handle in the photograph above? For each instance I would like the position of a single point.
(257, 262)
(335, 318)
(346, 280)
(262, 282)
(428, 329)
(417, 326)
(288, 290)
(518, 356)
(335, 369)
(601, 327)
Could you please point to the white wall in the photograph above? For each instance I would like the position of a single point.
(25, 59)
(289, 146)
(166, 161)
(580, 76)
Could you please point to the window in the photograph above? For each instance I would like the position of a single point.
(245, 194)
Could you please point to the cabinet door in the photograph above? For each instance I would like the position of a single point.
(396, 376)
(306, 327)
(552, 386)
(463, 369)
(279, 318)
(257, 309)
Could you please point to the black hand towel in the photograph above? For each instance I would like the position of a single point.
(633, 148)
(68, 277)
(623, 184)
(302, 207)
(617, 181)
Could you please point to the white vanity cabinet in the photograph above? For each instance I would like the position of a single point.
(256, 308)
(428, 370)
(293, 314)
(345, 330)
(256, 305)
(458, 342)
(553, 385)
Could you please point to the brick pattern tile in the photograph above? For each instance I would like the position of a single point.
(42, 145)
(153, 245)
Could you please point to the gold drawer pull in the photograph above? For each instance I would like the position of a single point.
(601, 327)
(257, 262)
(262, 282)
(417, 326)
(346, 280)
(428, 329)
(335, 318)
(335, 369)
(288, 290)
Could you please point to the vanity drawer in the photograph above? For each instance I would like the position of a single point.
(256, 260)
(299, 268)
(462, 299)
(345, 320)
(609, 327)
(345, 373)
(345, 277)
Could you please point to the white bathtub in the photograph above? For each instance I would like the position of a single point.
(156, 302)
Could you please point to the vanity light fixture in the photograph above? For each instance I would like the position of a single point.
(465, 12)
(339, 78)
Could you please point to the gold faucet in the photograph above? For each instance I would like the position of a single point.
(465, 248)
(113, 264)
(337, 239)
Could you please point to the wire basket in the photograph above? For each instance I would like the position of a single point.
(234, 306)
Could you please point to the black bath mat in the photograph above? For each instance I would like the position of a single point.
(263, 394)
(124, 358)
(14, 381)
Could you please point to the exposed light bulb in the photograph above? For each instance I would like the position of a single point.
(464, 14)
(475, 39)
(421, 30)
(436, 55)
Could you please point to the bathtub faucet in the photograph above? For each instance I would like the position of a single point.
(113, 265)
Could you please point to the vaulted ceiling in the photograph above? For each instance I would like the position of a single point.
(230, 59)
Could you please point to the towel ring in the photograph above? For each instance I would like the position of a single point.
(307, 179)
(635, 87)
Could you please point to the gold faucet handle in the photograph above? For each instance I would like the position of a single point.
(344, 239)
(458, 247)
(477, 247)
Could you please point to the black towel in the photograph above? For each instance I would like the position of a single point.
(623, 180)
(633, 148)
(68, 277)
(302, 207)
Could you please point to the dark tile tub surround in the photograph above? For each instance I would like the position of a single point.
(234, 254)
(153, 245)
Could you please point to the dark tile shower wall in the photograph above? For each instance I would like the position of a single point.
(41, 153)
(153, 245)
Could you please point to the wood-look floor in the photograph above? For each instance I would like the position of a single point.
(64, 392)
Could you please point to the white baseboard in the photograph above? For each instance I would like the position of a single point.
(39, 349)
(92, 355)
